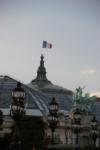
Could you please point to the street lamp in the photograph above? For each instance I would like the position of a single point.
(53, 106)
(1, 130)
(2, 133)
(94, 130)
(17, 112)
(1, 122)
(76, 126)
(1, 118)
(17, 106)
(53, 117)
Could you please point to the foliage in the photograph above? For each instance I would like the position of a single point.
(83, 101)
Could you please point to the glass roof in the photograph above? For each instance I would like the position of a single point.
(34, 99)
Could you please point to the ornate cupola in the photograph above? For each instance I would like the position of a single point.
(41, 73)
(41, 78)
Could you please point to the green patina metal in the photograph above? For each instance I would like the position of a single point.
(83, 101)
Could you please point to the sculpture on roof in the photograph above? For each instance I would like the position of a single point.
(83, 101)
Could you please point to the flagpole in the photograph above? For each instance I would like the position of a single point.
(43, 45)
(42, 49)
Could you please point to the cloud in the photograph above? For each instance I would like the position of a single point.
(95, 94)
(88, 72)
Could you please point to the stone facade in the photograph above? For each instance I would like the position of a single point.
(66, 135)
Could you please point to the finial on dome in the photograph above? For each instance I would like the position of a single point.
(41, 77)
(42, 57)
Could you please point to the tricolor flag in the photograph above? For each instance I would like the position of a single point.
(46, 45)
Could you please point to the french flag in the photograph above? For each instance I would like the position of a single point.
(46, 45)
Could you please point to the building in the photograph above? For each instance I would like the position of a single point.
(39, 93)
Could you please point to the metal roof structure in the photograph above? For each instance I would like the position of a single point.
(36, 101)
(39, 93)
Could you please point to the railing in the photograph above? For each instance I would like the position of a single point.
(70, 147)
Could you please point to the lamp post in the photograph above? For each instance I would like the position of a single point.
(1, 118)
(17, 112)
(94, 130)
(76, 126)
(53, 118)
(6, 124)
(17, 106)
(1, 121)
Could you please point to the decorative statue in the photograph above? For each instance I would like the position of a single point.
(83, 101)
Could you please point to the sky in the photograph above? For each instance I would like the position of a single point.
(72, 26)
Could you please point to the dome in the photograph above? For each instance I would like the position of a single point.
(39, 93)
(34, 99)
(63, 96)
